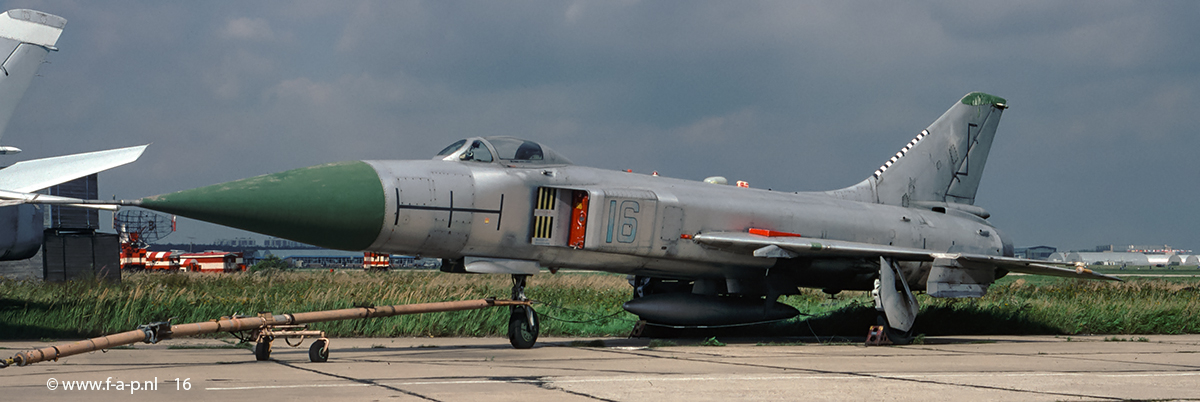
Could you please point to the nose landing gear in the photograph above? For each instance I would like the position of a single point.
(522, 320)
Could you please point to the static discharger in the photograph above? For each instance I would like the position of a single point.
(266, 327)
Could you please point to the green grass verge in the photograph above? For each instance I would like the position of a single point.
(1030, 305)
(574, 305)
(32, 310)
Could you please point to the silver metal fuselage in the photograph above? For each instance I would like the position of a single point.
(638, 224)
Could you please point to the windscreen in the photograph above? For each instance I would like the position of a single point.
(453, 147)
(513, 149)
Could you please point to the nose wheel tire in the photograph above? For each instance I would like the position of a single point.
(319, 351)
(523, 327)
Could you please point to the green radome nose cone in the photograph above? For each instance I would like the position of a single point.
(338, 205)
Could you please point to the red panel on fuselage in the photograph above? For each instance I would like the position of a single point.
(579, 213)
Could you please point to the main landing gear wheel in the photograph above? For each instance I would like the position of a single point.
(522, 320)
(262, 350)
(319, 351)
(897, 337)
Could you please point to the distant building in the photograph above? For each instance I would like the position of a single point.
(277, 243)
(1142, 248)
(1111, 258)
(1155, 249)
(324, 258)
(1035, 252)
(237, 242)
(1118, 258)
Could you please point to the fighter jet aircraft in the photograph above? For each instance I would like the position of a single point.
(697, 253)
(26, 36)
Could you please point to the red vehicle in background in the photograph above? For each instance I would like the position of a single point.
(212, 261)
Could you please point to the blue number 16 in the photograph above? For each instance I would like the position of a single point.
(628, 222)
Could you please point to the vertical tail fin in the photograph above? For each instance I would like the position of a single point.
(26, 36)
(943, 164)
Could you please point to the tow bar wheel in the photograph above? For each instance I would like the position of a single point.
(319, 351)
(262, 350)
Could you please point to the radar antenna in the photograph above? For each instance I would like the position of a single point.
(139, 228)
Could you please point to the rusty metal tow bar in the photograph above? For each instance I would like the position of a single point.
(265, 328)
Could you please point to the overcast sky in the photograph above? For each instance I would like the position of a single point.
(1099, 146)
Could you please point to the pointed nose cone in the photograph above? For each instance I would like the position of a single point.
(338, 205)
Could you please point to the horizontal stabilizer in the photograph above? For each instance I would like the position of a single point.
(31, 26)
(30, 176)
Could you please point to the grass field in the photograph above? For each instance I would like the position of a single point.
(1139, 271)
(578, 305)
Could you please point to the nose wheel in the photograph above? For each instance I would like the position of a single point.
(522, 320)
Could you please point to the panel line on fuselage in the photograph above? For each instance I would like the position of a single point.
(450, 209)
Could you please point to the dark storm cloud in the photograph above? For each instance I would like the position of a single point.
(786, 95)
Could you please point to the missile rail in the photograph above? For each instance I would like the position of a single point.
(264, 327)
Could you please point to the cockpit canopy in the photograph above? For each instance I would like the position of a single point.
(503, 150)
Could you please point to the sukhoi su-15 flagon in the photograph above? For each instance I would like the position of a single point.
(697, 253)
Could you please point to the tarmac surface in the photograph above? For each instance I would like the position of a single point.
(1027, 368)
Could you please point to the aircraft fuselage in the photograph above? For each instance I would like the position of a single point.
(636, 224)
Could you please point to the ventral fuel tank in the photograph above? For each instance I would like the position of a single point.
(688, 309)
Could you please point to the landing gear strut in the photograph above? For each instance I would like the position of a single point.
(895, 302)
(522, 320)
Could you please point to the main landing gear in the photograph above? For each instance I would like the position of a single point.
(522, 320)
(896, 304)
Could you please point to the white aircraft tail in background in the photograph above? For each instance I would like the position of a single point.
(26, 37)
